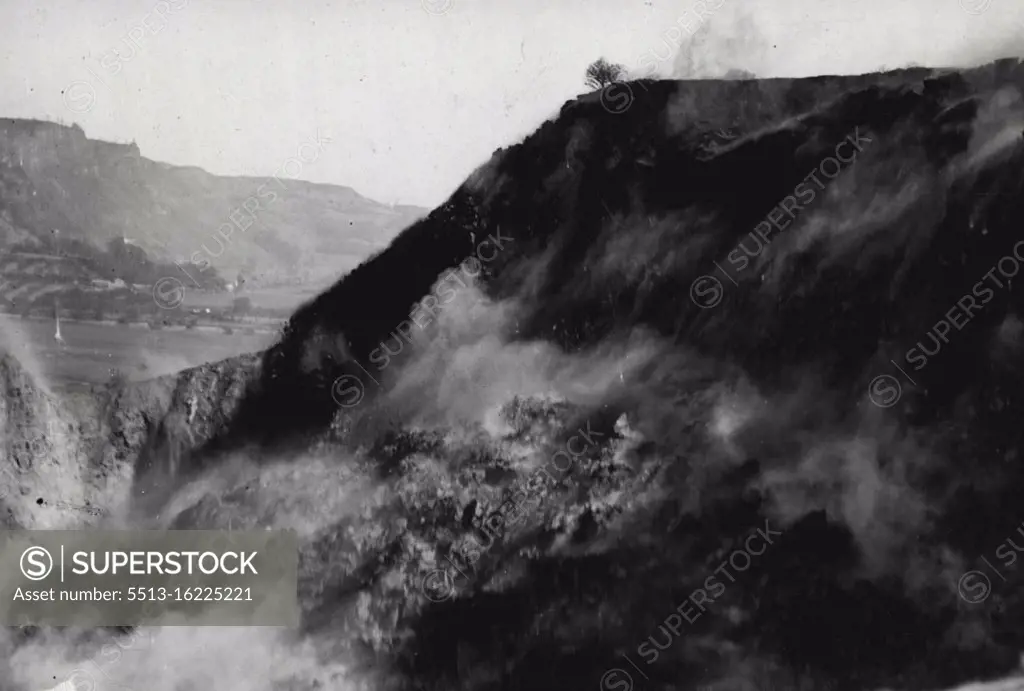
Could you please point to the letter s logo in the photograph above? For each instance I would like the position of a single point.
(36, 563)
(884, 391)
(616, 680)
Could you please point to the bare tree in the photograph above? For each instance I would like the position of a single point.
(601, 73)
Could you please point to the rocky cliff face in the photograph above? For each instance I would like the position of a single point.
(717, 389)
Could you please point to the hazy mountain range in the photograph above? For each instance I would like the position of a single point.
(58, 188)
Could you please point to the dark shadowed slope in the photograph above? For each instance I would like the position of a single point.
(567, 196)
(834, 359)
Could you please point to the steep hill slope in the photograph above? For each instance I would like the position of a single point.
(719, 389)
(633, 186)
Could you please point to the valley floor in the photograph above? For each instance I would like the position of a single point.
(94, 350)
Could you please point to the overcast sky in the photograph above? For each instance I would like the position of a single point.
(414, 94)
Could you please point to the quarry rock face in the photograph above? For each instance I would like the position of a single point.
(43, 453)
(718, 389)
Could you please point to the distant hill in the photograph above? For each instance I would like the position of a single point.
(54, 178)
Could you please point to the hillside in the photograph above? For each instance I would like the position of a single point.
(52, 177)
(717, 390)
